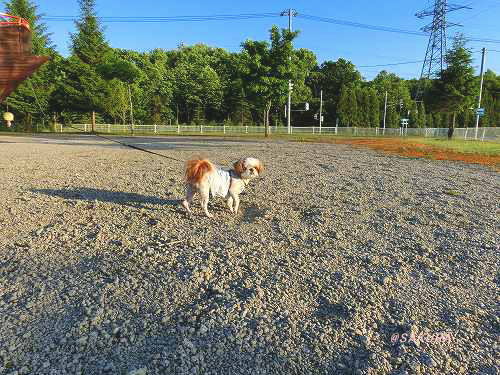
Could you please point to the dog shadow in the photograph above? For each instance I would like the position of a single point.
(107, 196)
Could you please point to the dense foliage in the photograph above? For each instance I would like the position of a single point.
(201, 84)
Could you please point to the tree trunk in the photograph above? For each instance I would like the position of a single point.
(93, 122)
(29, 123)
(266, 117)
(266, 130)
(451, 128)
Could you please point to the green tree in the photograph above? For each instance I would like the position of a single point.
(393, 117)
(267, 68)
(465, 119)
(490, 101)
(30, 100)
(348, 106)
(331, 77)
(152, 90)
(430, 120)
(363, 103)
(374, 108)
(397, 91)
(88, 43)
(40, 38)
(422, 117)
(242, 113)
(437, 119)
(414, 118)
(337, 74)
(80, 90)
(116, 101)
(417, 115)
(115, 68)
(197, 87)
(446, 120)
(455, 87)
(302, 64)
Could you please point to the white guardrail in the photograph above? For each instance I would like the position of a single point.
(483, 134)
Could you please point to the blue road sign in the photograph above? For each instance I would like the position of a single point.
(480, 111)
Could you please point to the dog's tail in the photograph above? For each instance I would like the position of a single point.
(196, 169)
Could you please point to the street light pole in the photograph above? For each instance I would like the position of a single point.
(320, 111)
(480, 90)
(290, 13)
(385, 109)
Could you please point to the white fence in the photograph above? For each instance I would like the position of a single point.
(483, 134)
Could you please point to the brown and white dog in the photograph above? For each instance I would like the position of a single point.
(204, 177)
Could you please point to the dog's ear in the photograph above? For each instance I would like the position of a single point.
(239, 167)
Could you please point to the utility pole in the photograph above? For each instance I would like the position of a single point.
(385, 108)
(320, 111)
(290, 13)
(480, 90)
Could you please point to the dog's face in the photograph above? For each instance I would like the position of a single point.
(248, 168)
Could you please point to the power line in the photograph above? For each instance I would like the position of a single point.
(384, 28)
(249, 16)
(359, 25)
(135, 19)
(400, 63)
(410, 62)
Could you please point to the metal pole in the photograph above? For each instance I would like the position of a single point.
(385, 108)
(480, 90)
(289, 108)
(320, 111)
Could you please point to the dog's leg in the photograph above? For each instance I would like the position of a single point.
(205, 195)
(189, 198)
(236, 200)
(230, 203)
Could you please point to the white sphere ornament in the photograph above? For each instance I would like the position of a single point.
(8, 117)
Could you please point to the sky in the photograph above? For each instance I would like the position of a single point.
(328, 41)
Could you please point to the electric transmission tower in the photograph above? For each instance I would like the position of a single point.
(434, 61)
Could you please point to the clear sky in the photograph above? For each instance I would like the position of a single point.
(328, 41)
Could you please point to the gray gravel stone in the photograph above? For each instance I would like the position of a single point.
(335, 251)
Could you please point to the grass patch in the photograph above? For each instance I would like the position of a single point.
(468, 147)
(453, 193)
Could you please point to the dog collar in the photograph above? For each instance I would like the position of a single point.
(235, 176)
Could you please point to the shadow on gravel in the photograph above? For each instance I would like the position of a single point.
(93, 325)
(100, 195)
(336, 312)
(252, 214)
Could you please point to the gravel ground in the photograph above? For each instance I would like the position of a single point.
(335, 251)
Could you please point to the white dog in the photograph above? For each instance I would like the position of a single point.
(203, 177)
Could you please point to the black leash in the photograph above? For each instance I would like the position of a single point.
(131, 146)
